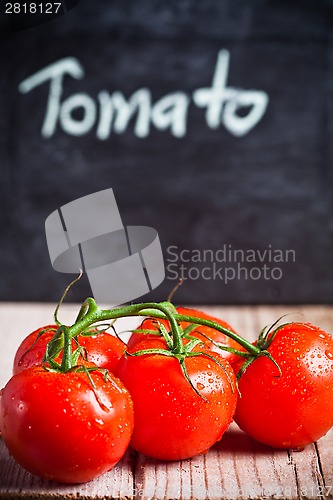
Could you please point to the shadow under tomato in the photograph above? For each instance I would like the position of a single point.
(237, 442)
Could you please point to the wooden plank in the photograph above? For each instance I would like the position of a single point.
(324, 451)
(257, 468)
(237, 467)
(307, 473)
(15, 482)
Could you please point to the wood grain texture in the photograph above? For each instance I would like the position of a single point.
(237, 467)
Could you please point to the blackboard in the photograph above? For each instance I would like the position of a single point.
(253, 196)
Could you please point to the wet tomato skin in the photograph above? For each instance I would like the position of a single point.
(27, 354)
(172, 421)
(54, 426)
(295, 408)
(102, 349)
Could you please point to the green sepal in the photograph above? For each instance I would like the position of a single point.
(261, 337)
(55, 345)
(87, 371)
(250, 360)
(90, 332)
(265, 341)
(157, 333)
(189, 329)
(270, 357)
(163, 352)
(80, 351)
(40, 334)
(186, 375)
(54, 366)
(192, 344)
(242, 354)
(166, 336)
(245, 366)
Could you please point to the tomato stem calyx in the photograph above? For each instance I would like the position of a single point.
(90, 314)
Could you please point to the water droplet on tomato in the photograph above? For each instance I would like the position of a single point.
(211, 380)
(321, 335)
(329, 354)
(200, 386)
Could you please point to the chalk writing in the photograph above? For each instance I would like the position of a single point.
(238, 110)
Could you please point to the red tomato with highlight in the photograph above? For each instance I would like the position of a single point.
(295, 408)
(57, 427)
(219, 337)
(171, 421)
(103, 349)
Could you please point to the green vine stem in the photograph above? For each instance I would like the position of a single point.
(66, 363)
(90, 313)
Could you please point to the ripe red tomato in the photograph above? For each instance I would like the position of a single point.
(295, 408)
(55, 427)
(171, 420)
(219, 337)
(103, 349)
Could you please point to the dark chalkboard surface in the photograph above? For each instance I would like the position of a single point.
(212, 122)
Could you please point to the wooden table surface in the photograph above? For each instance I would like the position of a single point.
(236, 467)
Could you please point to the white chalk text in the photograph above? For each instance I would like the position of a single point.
(238, 110)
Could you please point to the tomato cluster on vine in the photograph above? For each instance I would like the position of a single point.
(79, 396)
